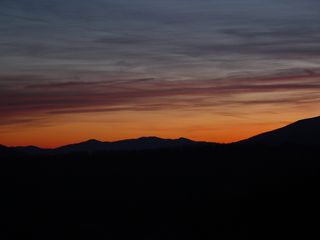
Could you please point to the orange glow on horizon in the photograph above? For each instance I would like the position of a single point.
(204, 127)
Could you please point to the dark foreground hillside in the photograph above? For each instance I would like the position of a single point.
(212, 192)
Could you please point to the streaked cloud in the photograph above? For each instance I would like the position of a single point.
(153, 94)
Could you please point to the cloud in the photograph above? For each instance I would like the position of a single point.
(152, 95)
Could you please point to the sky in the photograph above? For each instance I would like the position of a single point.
(213, 70)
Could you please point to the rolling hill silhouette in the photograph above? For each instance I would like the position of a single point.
(143, 143)
(32, 150)
(94, 190)
(303, 132)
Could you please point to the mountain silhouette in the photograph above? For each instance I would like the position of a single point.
(143, 143)
(303, 132)
(222, 191)
(31, 150)
(92, 145)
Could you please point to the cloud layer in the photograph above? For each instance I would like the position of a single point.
(106, 56)
(152, 94)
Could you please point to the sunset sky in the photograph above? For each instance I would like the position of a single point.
(214, 70)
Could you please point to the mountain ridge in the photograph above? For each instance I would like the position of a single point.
(93, 145)
(301, 132)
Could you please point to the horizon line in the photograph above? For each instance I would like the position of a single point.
(153, 136)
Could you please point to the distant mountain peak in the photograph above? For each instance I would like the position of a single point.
(162, 139)
(148, 138)
(92, 141)
(30, 147)
(184, 139)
